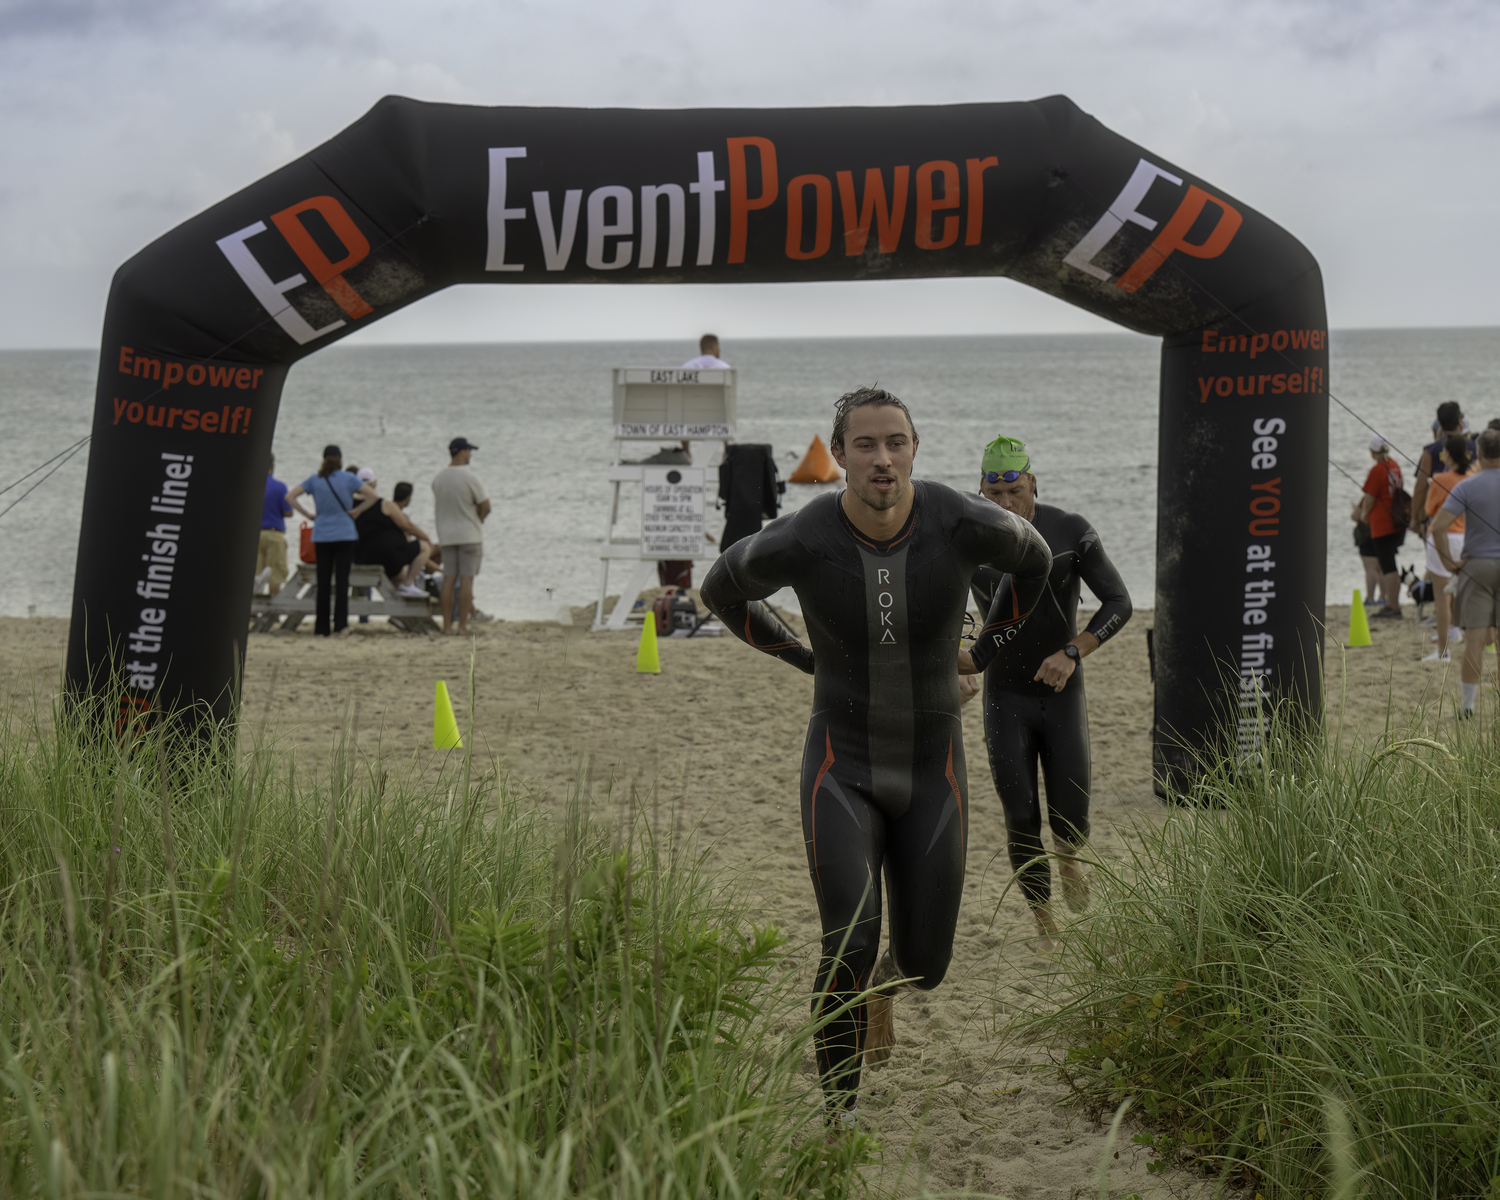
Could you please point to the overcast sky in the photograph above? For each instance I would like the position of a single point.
(1368, 128)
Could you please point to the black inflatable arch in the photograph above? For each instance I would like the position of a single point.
(203, 324)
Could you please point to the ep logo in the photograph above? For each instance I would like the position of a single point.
(1173, 237)
(290, 224)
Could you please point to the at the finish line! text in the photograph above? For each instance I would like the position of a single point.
(1260, 584)
(161, 542)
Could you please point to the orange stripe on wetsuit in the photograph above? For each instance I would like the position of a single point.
(822, 771)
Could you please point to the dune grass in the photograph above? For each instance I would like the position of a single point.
(223, 977)
(1299, 984)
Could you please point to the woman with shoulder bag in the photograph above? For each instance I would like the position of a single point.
(335, 492)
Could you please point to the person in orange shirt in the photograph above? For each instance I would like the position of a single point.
(1375, 507)
(1457, 461)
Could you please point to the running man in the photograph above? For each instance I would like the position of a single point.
(882, 572)
(1034, 706)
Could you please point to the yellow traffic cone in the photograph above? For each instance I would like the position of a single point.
(647, 660)
(444, 724)
(1359, 625)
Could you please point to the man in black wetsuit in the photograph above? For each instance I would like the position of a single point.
(1034, 706)
(882, 571)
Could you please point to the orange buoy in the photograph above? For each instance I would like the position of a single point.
(817, 465)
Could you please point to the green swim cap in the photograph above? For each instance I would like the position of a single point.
(1006, 454)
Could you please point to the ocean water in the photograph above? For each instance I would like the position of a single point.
(1086, 404)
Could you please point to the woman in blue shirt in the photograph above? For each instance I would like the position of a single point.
(339, 497)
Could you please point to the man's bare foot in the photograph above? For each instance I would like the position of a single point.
(1045, 941)
(880, 1027)
(880, 1032)
(1075, 885)
(841, 1123)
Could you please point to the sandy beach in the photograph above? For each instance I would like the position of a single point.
(715, 741)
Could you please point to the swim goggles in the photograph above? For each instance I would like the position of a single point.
(998, 476)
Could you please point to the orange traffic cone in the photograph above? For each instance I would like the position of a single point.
(817, 465)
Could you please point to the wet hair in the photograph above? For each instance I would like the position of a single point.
(1449, 415)
(1489, 444)
(1457, 448)
(706, 341)
(865, 397)
(402, 492)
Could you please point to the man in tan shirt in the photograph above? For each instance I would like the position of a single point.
(462, 505)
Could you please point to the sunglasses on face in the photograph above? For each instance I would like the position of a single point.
(1006, 476)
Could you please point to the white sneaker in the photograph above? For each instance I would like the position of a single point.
(1455, 634)
(1429, 619)
(262, 582)
(1445, 656)
(412, 590)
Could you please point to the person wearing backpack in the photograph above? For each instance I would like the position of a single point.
(1386, 506)
(1476, 587)
(340, 497)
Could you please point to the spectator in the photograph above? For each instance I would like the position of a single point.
(334, 491)
(1450, 420)
(270, 557)
(1456, 458)
(1463, 427)
(384, 541)
(1375, 506)
(1477, 574)
(708, 355)
(462, 506)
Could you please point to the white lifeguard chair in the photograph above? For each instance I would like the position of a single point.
(657, 404)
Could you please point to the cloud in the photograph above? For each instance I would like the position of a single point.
(27, 19)
(1363, 128)
(283, 22)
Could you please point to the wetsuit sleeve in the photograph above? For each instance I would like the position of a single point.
(982, 587)
(1004, 542)
(1102, 578)
(744, 575)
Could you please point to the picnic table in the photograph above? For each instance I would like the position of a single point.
(298, 598)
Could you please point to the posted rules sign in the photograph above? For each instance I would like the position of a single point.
(671, 512)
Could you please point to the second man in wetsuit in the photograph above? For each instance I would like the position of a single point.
(1034, 707)
(882, 571)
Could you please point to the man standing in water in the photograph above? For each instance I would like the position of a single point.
(1034, 706)
(882, 572)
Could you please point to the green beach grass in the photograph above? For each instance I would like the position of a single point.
(1298, 987)
(222, 977)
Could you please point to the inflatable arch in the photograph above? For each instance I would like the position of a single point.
(203, 324)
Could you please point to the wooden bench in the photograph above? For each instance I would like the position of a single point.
(298, 598)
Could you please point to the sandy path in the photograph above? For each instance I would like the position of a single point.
(715, 741)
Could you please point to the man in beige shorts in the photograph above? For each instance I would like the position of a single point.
(270, 556)
(462, 505)
(1476, 581)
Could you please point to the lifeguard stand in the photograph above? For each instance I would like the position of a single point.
(655, 404)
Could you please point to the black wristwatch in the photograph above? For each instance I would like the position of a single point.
(1072, 652)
